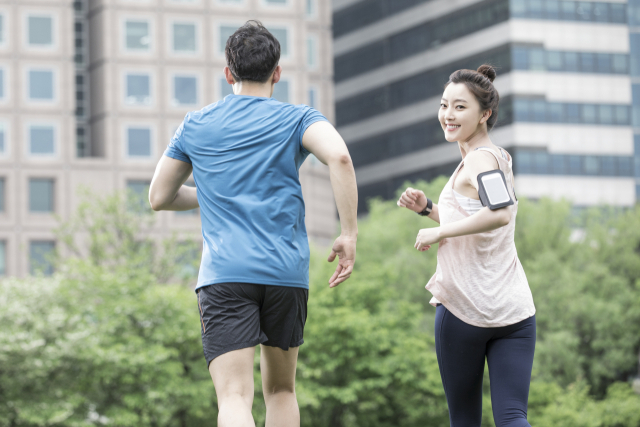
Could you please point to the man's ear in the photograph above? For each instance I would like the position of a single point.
(485, 116)
(276, 74)
(228, 76)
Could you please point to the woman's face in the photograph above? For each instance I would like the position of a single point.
(460, 115)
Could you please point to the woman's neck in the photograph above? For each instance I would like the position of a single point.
(478, 139)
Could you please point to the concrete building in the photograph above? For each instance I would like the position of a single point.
(92, 91)
(565, 74)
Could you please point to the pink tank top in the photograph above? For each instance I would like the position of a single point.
(479, 277)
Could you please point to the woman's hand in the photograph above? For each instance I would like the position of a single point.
(413, 199)
(426, 238)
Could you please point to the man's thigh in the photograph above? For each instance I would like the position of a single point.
(230, 318)
(232, 374)
(278, 368)
(283, 316)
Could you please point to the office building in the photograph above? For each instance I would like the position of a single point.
(92, 91)
(567, 75)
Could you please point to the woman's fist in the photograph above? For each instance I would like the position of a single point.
(413, 199)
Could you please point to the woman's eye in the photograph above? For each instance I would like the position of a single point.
(460, 107)
(443, 106)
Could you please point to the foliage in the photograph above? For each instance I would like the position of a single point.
(93, 347)
(109, 341)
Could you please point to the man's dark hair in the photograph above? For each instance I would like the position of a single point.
(252, 53)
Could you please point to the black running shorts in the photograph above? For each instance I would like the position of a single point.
(241, 315)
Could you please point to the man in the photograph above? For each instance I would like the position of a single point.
(245, 152)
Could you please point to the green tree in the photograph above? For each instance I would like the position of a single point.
(114, 337)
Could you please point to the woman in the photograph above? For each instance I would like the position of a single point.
(484, 304)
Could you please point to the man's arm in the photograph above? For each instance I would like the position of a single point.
(167, 192)
(324, 142)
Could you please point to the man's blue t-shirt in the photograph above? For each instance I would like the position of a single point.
(246, 152)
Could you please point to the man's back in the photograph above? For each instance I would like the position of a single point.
(246, 152)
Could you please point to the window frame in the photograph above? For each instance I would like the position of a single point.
(290, 38)
(125, 88)
(267, 4)
(151, 28)
(316, 57)
(171, 36)
(54, 199)
(54, 29)
(5, 28)
(4, 255)
(29, 255)
(314, 88)
(125, 141)
(313, 14)
(172, 85)
(222, 82)
(56, 134)
(219, 48)
(5, 125)
(231, 4)
(6, 88)
(290, 84)
(54, 88)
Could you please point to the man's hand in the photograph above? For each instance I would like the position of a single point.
(345, 248)
(427, 237)
(413, 199)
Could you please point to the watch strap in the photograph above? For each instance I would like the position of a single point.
(427, 210)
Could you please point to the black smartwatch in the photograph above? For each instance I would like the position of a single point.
(427, 210)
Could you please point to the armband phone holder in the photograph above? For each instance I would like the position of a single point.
(492, 189)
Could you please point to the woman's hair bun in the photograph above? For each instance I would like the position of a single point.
(487, 71)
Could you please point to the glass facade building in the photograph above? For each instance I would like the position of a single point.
(568, 76)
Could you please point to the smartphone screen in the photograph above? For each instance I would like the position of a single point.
(495, 188)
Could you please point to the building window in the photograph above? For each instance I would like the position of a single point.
(634, 47)
(282, 35)
(538, 59)
(634, 14)
(3, 139)
(313, 98)
(1, 84)
(2, 194)
(3, 258)
(185, 90)
(570, 11)
(278, 2)
(41, 257)
(542, 111)
(40, 30)
(41, 195)
(41, 85)
(281, 91)
(225, 88)
(1, 29)
(42, 140)
(137, 35)
(312, 52)
(138, 89)
(226, 31)
(539, 162)
(184, 37)
(635, 110)
(138, 142)
(138, 195)
(310, 7)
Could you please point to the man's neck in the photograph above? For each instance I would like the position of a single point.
(264, 90)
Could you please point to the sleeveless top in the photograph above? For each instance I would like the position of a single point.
(479, 278)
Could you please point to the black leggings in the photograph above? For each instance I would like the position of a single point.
(461, 349)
